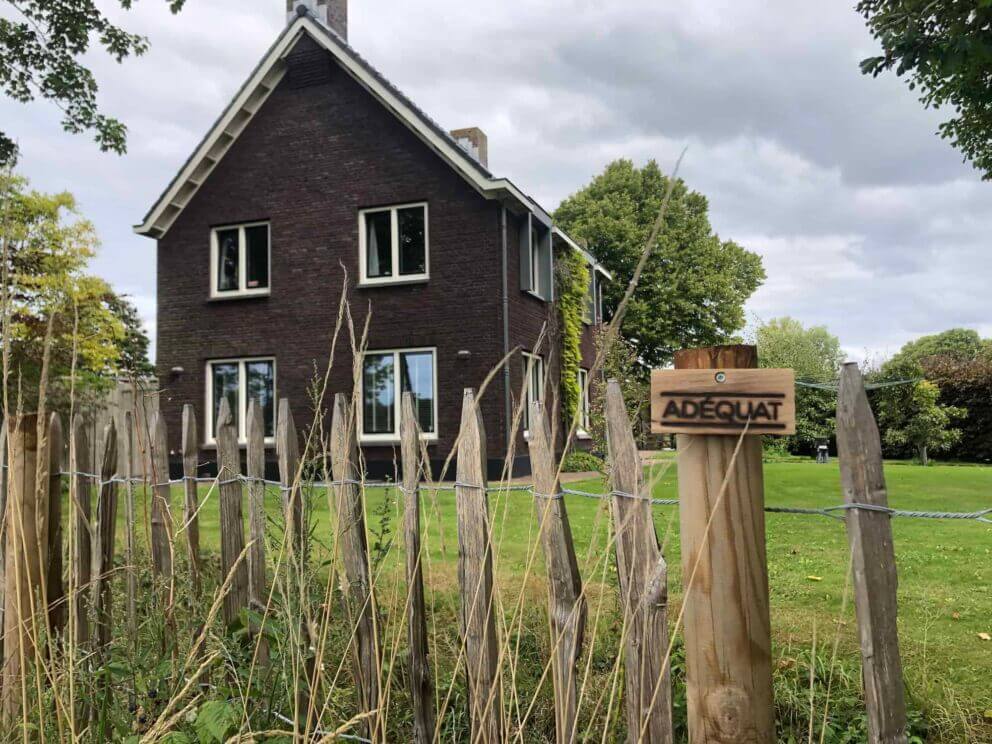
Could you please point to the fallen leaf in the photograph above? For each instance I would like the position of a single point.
(815, 578)
(985, 636)
(956, 615)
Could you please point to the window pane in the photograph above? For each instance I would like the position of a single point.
(227, 260)
(535, 261)
(417, 377)
(378, 244)
(378, 394)
(225, 385)
(590, 310)
(412, 241)
(257, 246)
(583, 401)
(261, 387)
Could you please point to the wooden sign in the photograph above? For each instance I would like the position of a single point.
(713, 401)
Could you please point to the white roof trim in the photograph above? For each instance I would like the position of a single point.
(590, 259)
(258, 87)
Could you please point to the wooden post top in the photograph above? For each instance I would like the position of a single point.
(734, 356)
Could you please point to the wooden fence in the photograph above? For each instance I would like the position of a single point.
(735, 707)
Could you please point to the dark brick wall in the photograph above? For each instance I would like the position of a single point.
(320, 149)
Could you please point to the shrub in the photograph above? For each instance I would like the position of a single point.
(580, 462)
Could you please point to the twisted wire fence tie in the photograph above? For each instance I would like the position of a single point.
(549, 496)
(344, 482)
(460, 484)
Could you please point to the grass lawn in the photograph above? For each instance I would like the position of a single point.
(945, 568)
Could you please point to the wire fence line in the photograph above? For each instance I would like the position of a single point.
(983, 516)
(833, 387)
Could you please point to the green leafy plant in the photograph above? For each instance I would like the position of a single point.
(578, 461)
(572, 285)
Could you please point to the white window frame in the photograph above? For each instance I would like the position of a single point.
(396, 278)
(394, 436)
(243, 290)
(208, 435)
(582, 430)
(538, 361)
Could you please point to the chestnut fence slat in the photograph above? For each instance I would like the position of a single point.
(55, 588)
(191, 518)
(352, 543)
(232, 526)
(873, 561)
(421, 686)
(161, 501)
(288, 452)
(643, 576)
(80, 538)
(27, 513)
(130, 553)
(255, 469)
(103, 546)
(566, 605)
(475, 578)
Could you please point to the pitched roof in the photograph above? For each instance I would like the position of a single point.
(264, 79)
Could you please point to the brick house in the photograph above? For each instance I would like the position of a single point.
(319, 169)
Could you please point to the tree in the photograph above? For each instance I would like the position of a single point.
(921, 422)
(694, 286)
(51, 302)
(959, 344)
(815, 355)
(40, 52)
(967, 384)
(133, 359)
(945, 49)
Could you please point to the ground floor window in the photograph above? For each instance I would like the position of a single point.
(583, 427)
(241, 381)
(386, 375)
(534, 389)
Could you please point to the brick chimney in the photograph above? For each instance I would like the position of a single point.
(475, 142)
(332, 13)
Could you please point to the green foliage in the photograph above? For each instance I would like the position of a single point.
(958, 344)
(578, 461)
(572, 284)
(133, 357)
(694, 286)
(945, 49)
(815, 355)
(920, 422)
(620, 363)
(216, 720)
(40, 52)
(48, 248)
(967, 384)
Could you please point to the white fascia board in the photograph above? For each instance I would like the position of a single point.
(589, 258)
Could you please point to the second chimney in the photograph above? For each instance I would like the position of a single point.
(332, 13)
(475, 142)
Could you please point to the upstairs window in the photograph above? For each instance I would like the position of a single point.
(239, 260)
(536, 264)
(393, 244)
(241, 381)
(386, 375)
(534, 388)
(589, 308)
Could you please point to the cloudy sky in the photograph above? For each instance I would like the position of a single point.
(867, 222)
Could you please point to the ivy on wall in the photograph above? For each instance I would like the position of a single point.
(571, 285)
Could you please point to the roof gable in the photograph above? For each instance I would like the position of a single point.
(256, 90)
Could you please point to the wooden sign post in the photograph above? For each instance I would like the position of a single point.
(709, 401)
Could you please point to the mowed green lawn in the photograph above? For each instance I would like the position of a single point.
(944, 567)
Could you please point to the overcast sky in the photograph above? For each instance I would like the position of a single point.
(867, 222)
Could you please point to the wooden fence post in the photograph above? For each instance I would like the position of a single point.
(255, 469)
(288, 452)
(475, 577)
(873, 559)
(105, 538)
(161, 501)
(191, 519)
(725, 573)
(420, 670)
(566, 605)
(81, 529)
(27, 512)
(232, 530)
(643, 575)
(3, 528)
(130, 555)
(55, 593)
(352, 543)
